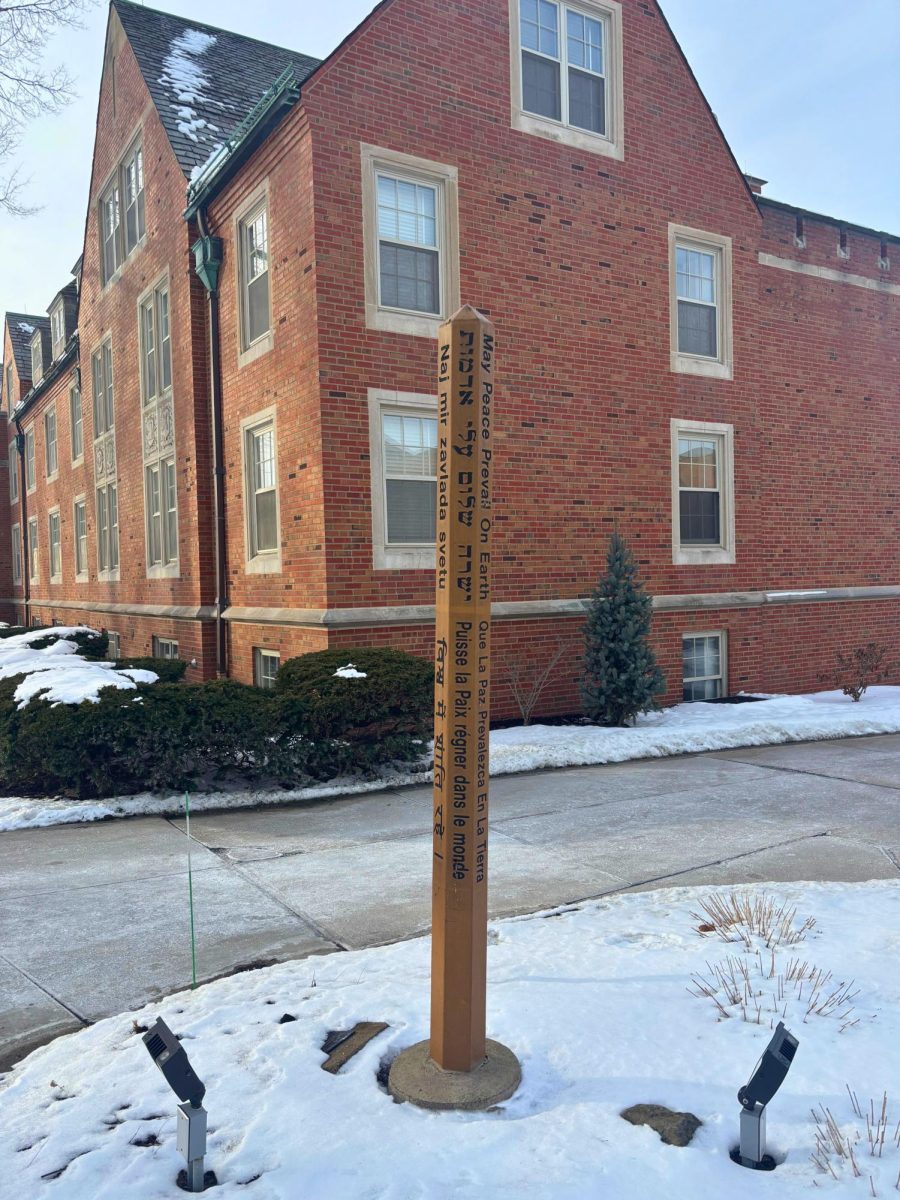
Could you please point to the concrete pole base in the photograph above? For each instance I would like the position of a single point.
(414, 1077)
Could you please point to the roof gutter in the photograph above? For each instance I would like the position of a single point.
(259, 122)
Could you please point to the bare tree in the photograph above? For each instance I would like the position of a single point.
(527, 683)
(28, 87)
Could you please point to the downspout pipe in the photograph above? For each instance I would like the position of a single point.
(207, 261)
(23, 522)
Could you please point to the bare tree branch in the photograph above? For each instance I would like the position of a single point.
(28, 88)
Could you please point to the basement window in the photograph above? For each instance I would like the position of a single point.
(703, 666)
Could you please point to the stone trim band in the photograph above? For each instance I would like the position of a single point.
(423, 614)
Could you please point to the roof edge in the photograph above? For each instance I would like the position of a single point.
(882, 234)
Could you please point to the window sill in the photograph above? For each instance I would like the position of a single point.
(710, 368)
(263, 564)
(391, 320)
(77, 462)
(82, 577)
(392, 558)
(52, 478)
(700, 556)
(169, 571)
(56, 580)
(567, 135)
(260, 347)
(108, 576)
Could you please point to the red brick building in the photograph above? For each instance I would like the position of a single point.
(271, 243)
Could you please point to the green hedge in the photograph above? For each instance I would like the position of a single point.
(12, 631)
(170, 735)
(358, 724)
(169, 670)
(156, 737)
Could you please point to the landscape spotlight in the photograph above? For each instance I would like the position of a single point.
(171, 1058)
(765, 1081)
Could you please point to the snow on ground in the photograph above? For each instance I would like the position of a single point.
(683, 729)
(593, 1000)
(59, 672)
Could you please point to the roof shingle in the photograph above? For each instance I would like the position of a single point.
(203, 80)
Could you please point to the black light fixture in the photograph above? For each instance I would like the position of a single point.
(768, 1076)
(171, 1058)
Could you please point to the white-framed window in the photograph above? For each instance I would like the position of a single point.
(156, 345)
(30, 477)
(121, 215)
(702, 492)
(33, 562)
(37, 359)
(566, 72)
(164, 647)
(17, 554)
(13, 473)
(54, 542)
(76, 423)
(107, 528)
(111, 248)
(265, 666)
(411, 241)
(133, 191)
(79, 524)
(162, 513)
(114, 650)
(102, 381)
(704, 670)
(254, 280)
(261, 517)
(51, 446)
(403, 443)
(700, 302)
(57, 330)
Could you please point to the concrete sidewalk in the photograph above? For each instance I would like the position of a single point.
(94, 918)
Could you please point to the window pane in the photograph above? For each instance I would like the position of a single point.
(587, 101)
(165, 343)
(410, 446)
(697, 329)
(409, 278)
(154, 517)
(410, 510)
(113, 502)
(584, 42)
(108, 385)
(540, 87)
(695, 274)
(539, 27)
(263, 452)
(257, 246)
(699, 519)
(698, 462)
(258, 308)
(703, 689)
(407, 212)
(148, 335)
(266, 522)
(170, 513)
(77, 424)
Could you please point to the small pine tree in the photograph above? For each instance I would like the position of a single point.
(621, 678)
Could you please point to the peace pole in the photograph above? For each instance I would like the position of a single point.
(459, 1067)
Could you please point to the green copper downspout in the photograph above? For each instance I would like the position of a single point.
(207, 261)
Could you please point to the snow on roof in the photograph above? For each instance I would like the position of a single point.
(25, 327)
(188, 80)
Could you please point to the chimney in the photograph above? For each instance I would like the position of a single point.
(756, 185)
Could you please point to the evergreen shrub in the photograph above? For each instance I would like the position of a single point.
(357, 724)
(169, 670)
(621, 677)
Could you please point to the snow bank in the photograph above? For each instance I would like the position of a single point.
(593, 1001)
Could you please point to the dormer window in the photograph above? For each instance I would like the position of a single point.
(57, 331)
(122, 223)
(37, 359)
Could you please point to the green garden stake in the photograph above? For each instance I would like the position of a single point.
(187, 814)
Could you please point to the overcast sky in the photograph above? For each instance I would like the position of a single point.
(806, 91)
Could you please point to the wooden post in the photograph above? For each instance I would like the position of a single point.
(462, 691)
(458, 1067)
